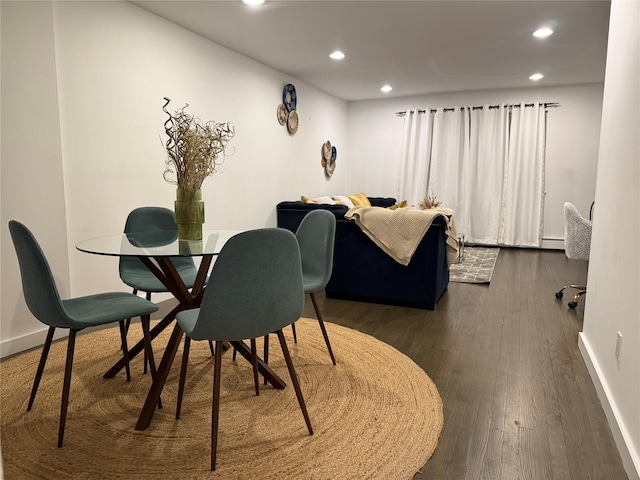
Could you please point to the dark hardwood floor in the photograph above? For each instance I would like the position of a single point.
(518, 400)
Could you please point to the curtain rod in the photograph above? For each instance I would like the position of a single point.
(517, 105)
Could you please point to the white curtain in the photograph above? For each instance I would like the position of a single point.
(449, 166)
(523, 196)
(487, 164)
(488, 146)
(415, 157)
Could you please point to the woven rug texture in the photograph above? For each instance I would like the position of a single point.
(476, 267)
(375, 415)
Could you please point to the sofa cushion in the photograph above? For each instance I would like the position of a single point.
(318, 200)
(344, 200)
(360, 200)
(402, 204)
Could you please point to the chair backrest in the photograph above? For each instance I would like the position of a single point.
(148, 219)
(38, 286)
(255, 287)
(316, 238)
(577, 234)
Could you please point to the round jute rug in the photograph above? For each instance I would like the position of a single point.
(376, 415)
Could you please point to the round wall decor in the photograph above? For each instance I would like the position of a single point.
(292, 122)
(329, 155)
(282, 114)
(289, 97)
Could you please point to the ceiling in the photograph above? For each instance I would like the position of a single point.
(417, 47)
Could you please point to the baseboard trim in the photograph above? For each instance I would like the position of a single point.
(552, 243)
(630, 459)
(36, 339)
(29, 341)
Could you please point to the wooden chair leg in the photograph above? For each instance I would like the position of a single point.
(64, 404)
(145, 358)
(145, 321)
(266, 353)
(125, 349)
(183, 374)
(254, 363)
(294, 380)
(211, 347)
(295, 335)
(322, 327)
(43, 360)
(215, 406)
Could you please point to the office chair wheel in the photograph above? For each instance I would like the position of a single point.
(572, 305)
(559, 294)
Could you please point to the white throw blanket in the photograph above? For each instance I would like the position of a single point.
(399, 232)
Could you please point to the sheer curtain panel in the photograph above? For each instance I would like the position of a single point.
(487, 147)
(415, 157)
(486, 163)
(523, 198)
(449, 167)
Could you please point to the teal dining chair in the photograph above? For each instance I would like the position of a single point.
(255, 288)
(316, 237)
(43, 300)
(135, 274)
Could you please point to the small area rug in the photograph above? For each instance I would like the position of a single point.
(476, 267)
(376, 415)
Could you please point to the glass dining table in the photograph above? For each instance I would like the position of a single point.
(155, 249)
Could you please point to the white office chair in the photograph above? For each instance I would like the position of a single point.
(577, 244)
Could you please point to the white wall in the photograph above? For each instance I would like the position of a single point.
(613, 301)
(375, 135)
(31, 169)
(82, 90)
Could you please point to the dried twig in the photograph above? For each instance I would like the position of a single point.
(193, 148)
(429, 202)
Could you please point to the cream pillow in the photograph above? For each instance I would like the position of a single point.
(344, 200)
(320, 200)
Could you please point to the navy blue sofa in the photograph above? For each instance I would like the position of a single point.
(364, 272)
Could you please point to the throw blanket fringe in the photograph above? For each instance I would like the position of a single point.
(399, 232)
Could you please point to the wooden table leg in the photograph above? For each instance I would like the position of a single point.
(138, 347)
(170, 278)
(161, 377)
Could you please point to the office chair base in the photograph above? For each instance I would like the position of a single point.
(582, 289)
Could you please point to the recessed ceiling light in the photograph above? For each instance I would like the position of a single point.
(543, 32)
(337, 55)
(253, 2)
(536, 76)
(386, 88)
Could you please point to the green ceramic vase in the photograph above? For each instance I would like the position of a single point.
(189, 208)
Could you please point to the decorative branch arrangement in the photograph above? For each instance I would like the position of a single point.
(193, 148)
(429, 202)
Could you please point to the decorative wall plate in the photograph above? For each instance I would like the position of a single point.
(289, 97)
(292, 122)
(331, 166)
(282, 114)
(326, 150)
